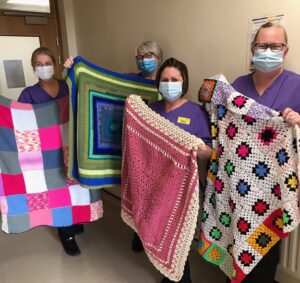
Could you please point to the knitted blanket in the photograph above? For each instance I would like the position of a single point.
(252, 195)
(34, 189)
(97, 105)
(160, 187)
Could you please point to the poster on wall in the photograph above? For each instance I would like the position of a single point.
(254, 25)
(16, 71)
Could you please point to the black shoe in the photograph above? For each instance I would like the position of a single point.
(79, 229)
(136, 244)
(70, 246)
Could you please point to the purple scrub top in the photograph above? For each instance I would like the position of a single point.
(196, 123)
(284, 91)
(36, 94)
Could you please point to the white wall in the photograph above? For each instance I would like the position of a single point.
(209, 36)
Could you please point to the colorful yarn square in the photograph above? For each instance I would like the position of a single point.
(33, 181)
(252, 193)
(96, 126)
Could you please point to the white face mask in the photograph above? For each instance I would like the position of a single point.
(45, 73)
(171, 91)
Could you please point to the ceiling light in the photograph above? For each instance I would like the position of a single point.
(29, 2)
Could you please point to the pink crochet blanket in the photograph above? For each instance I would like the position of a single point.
(160, 187)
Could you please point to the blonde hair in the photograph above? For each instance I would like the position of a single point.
(149, 46)
(271, 25)
(41, 50)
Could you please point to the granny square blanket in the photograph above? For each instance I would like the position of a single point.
(34, 189)
(160, 186)
(252, 194)
(97, 106)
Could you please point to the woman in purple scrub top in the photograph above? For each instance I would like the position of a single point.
(172, 82)
(47, 89)
(272, 86)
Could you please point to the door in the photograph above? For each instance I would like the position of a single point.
(19, 31)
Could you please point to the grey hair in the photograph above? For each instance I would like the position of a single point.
(150, 46)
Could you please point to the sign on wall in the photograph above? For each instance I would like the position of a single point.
(15, 64)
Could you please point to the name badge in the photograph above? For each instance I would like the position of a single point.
(183, 120)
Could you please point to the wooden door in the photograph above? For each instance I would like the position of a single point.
(44, 26)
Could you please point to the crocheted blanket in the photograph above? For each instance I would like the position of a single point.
(252, 195)
(34, 189)
(160, 186)
(97, 105)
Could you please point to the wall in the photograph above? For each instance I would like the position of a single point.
(209, 36)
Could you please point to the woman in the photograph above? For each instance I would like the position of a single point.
(47, 89)
(275, 87)
(148, 57)
(172, 82)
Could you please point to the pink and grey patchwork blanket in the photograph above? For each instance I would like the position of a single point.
(160, 186)
(34, 189)
(252, 194)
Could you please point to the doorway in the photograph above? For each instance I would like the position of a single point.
(26, 29)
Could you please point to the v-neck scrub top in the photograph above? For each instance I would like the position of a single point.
(190, 117)
(284, 91)
(36, 94)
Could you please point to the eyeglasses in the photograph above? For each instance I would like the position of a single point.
(148, 55)
(275, 47)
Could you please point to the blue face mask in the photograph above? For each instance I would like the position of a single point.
(147, 65)
(171, 91)
(268, 60)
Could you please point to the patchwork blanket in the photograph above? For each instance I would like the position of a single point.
(160, 186)
(252, 195)
(34, 189)
(97, 105)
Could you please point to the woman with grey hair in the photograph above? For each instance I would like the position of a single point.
(148, 58)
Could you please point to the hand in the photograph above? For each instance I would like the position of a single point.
(69, 62)
(291, 117)
(204, 151)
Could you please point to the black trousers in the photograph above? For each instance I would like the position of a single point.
(186, 277)
(67, 232)
(265, 270)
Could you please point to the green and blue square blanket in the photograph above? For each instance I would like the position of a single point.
(34, 189)
(96, 117)
(252, 194)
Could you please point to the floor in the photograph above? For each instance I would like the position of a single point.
(37, 256)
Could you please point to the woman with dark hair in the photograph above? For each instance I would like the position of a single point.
(47, 89)
(172, 82)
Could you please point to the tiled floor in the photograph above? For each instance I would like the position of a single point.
(37, 256)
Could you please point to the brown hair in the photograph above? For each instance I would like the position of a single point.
(41, 50)
(271, 25)
(172, 62)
